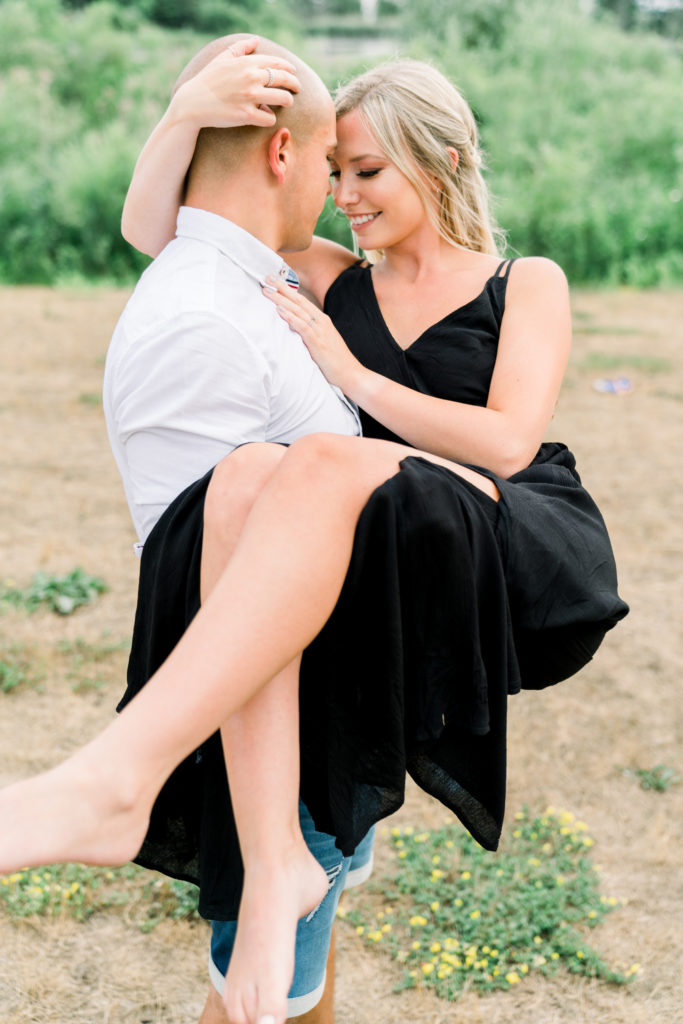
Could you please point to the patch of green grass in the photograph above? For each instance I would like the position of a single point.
(77, 891)
(660, 778)
(674, 396)
(62, 594)
(90, 398)
(618, 361)
(15, 669)
(457, 917)
(86, 659)
(604, 329)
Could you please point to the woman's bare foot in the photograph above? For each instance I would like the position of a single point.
(275, 895)
(74, 812)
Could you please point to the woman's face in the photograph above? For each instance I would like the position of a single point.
(382, 206)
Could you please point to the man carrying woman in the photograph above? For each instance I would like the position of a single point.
(402, 584)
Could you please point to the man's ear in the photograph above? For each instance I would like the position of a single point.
(280, 153)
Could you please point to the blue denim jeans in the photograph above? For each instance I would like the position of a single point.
(313, 932)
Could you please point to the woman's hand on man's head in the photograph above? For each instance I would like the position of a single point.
(238, 87)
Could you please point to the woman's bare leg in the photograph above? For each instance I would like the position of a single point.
(271, 601)
(273, 598)
(282, 879)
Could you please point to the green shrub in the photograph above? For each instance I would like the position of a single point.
(62, 594)
(584, 137)
(580, 121)
(456, 917)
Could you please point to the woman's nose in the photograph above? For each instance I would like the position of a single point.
(344, 192)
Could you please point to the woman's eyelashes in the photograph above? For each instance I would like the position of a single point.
(336, 173)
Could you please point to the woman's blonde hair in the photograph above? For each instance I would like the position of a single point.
(415, 113)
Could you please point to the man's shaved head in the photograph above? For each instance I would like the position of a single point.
(227, 147)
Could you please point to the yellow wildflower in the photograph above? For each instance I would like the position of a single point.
(435, 905)
(465, 875)
(417, 921)
(512, 978)
(475, 914)
(427, 968)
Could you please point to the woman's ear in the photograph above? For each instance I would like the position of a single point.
(454, 155)
(279, 153)
(437, 183)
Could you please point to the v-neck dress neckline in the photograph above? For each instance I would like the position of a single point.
(453, 314)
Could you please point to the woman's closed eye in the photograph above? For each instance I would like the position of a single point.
(336, 173)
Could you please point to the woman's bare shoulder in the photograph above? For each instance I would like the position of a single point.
(537, 270)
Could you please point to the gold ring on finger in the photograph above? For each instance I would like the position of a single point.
(271, 77)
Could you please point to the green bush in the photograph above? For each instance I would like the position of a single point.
(583, 132)
(79, 92)
(580, 121)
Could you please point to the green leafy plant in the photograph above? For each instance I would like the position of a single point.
(62, 594)
(15, 669)
(86, 660)
(457, 917)
(660, 778)
(77, 891)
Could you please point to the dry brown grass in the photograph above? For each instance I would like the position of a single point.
(62, 505)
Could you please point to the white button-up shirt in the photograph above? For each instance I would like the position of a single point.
(201, 362)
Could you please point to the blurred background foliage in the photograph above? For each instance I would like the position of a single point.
(578, 103)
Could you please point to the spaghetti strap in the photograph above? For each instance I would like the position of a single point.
(504, 276)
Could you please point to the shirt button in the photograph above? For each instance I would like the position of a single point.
(283, 271)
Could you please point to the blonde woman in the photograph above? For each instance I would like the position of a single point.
(426, 570)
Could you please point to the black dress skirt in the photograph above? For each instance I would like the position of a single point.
(452, 601)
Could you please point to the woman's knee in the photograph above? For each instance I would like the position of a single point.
(237, 481)
(318, 452)
(350, 466)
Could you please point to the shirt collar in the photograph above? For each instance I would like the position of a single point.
(251, 255)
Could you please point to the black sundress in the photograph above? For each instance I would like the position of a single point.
(451, 603)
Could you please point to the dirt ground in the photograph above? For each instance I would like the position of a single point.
(62, 505)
